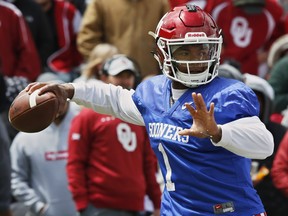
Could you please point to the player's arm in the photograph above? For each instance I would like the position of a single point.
(101, 97)
(279, 171)
(108, 99)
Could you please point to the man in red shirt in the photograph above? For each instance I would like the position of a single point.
(249, 28)
(111, 165)
(18, 53)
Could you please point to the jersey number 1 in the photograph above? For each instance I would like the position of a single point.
(169, 184)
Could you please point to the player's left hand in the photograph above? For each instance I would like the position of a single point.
(204, 124)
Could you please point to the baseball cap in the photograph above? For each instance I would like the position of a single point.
(118, 64)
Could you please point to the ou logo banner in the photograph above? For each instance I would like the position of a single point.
(241, 32)
(126, 137)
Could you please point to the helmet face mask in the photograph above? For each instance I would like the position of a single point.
(189, 46)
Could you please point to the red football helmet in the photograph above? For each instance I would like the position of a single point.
(188, 45)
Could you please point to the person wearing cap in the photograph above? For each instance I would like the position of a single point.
(116, 66)
(111, 165)
(38, 161)
(279, 170)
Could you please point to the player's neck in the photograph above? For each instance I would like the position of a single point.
(176, 93)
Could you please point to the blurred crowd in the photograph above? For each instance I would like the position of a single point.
(95, 41)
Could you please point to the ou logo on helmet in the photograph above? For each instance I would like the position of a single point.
(241, 32)
(126, 137)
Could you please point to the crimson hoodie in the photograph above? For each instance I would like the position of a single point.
(18, 53)
(111, 163)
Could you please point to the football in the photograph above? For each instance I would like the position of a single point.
(32, 113)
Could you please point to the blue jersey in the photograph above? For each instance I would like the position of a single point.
(200, 178)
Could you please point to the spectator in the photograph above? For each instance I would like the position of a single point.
(64, 21)
(206, 168)
(5, 191)
(18, 54)
(38, 25)
(90, 70)
(124, 24)
(278, 80)
(279, 168)
(5, 166)
(262, 178)
(20, 63)
(278, 76)
(103, 148)
(96, 58)
(38, 168)
(277, 50)
(249, 28)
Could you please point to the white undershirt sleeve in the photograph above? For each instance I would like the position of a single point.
(104, 98)
(247, 137)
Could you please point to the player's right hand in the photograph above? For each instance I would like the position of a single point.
(62, 91)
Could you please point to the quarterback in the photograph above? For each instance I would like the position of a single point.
(204, 143)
